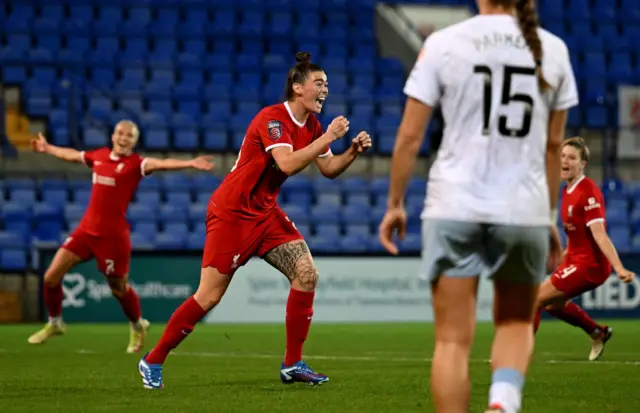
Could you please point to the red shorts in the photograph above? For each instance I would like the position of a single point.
(575, 279)
(230, 244)
(113, 253)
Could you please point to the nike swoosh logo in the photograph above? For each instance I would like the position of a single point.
(285, 372)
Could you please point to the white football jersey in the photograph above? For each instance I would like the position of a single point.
(490, 167)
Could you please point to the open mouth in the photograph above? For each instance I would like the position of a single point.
(320, 101)
(565, 169)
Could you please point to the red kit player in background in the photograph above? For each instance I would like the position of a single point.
(103, 233)
(244, 219)
(590, 254)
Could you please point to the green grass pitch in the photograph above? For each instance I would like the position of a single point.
(374, 368)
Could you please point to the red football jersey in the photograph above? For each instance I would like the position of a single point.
(251, 187)
(115, 180)
(583, 205)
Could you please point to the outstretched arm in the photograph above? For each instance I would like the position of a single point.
(609, 250)
(40, 144)
(202, 163)
(332, 166)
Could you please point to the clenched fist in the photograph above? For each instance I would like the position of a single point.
(362, 142)
(339, 127)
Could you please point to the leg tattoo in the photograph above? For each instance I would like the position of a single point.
(293, 259)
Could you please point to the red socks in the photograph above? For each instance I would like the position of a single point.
(298, 321)
(184, 319)
(130, 305)
(181, 323)
(572, 314)
(53, 297)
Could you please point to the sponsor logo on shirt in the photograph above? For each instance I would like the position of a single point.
(103, 180)
(593, 204)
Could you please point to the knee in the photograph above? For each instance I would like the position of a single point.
(307, 280)
(207, 298)
(52, 277)
(455, 339)
(118, 287)
(554, 306)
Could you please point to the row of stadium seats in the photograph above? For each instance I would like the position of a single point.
(220, 81)
(176, 203)
(296, 187)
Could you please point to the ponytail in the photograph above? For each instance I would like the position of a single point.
(528, 22)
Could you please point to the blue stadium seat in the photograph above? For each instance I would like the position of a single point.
(12, 211)
(327, 229)
(198, 212)
(21, 227)
(81, 196)
(140, 243)
(170, 241)
(176, 182)
(296, 213)
(177, 228)
(324, 244)
(353, 214)
(179, 199)
(148, 229)
(13, 259)
(48, 230)
(354, 243)
(169, 212)
(140, 212)
(11, 240)
(195, 241)
(19, 183)
(54, 196)
(156, 139)
(25, 197)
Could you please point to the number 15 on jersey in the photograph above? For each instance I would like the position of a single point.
(506, 98)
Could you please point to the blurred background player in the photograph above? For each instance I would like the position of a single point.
(244, 219)
(590, 254)
(490, 209)
(103, 233)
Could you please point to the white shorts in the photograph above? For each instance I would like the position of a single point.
(469, 249)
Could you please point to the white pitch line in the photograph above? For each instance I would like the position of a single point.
(364, 358)
(389, 359)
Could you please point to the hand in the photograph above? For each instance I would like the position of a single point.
(39, 144)
(203, 163)
(625, 275)
(362, 142)
(556, 252)
(395, 220)
(339, 127)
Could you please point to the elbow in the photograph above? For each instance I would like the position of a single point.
(287, 170)
(330, 174)
(554, 146)
(408, 143)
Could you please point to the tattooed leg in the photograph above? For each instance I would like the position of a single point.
(293, 259)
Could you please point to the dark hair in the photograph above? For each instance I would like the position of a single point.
(528, 22)
(299, 72)
(578, 143)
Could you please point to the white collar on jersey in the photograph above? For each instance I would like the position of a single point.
(573, 187)
(114, 157)
(293, 118)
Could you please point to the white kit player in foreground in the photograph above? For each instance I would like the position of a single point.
(505, 86)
